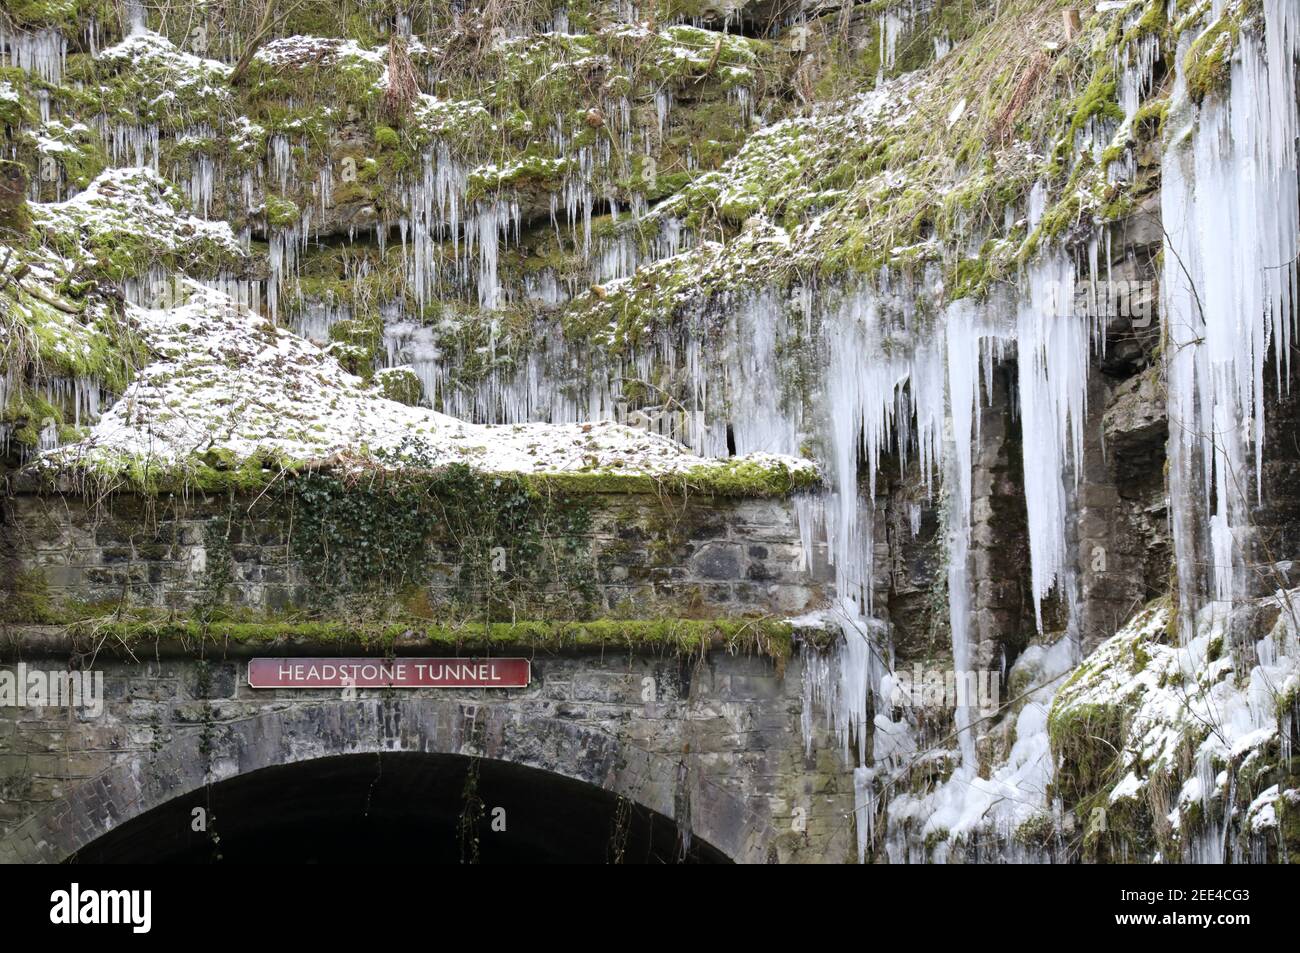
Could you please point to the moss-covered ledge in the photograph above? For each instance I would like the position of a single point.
(133, 638)
(721, 478)
(728, 478)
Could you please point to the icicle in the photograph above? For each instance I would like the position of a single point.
(891, 28)
(44, 52)
(200, 184)
(279, 160)
(1052, 346)
(759, 422)
(135, 16)
(1229, 205)
(282, 260)
(317, 317)
(864, 809)
(1136, 72)
(963, 387)
(487, 226)
(663, 104)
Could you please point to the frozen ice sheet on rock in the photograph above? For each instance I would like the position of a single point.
(1228, 205)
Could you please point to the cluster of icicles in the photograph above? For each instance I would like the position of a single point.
(1229, 207)
(893, 385)
(436, 208)
(1228, 203)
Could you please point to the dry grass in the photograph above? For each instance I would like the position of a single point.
(403, 84)
(1004, 123)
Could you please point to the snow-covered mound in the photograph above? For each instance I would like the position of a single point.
(146, 51)
(226, 379)
(130, 217)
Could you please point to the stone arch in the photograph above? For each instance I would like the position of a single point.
(196, 756)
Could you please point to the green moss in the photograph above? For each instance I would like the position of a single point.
(1086, 739)
(1154, 19)
(153, 84)
(28, 413)
(41, 12)
(970, 278)
(1207, 65)
(1288, 824)
(347, 20)
(17, 105)
(722, 478)
(1089, 727)
(1097, 100)
(131, 222)
(214, 471)
(1061, 218)
(99, 347)
(1149, 120)
(771, 638)
(281, 212)
(353, 193)
(1120, 206)
(1037, 833)
(527, 172)
(747, 478)
(13, 199)
(84, 162)
(66, 15)
(935, 838)
(1115, 831)
(357, 343)
(218, 470)
(26, 598)
(400, 384)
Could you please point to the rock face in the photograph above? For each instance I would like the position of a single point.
(723, 315)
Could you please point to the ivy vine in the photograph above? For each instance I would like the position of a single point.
(511, 545)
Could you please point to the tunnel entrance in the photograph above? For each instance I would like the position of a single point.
(399, 807)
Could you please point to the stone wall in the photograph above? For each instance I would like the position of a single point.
(718, 747)
(642, 556)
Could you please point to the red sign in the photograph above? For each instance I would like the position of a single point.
(389, 673)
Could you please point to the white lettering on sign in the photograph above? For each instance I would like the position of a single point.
(389, 673)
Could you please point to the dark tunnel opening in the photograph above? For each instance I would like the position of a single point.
(399, 807)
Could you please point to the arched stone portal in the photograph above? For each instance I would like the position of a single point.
(555, 772)
(401, 807)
